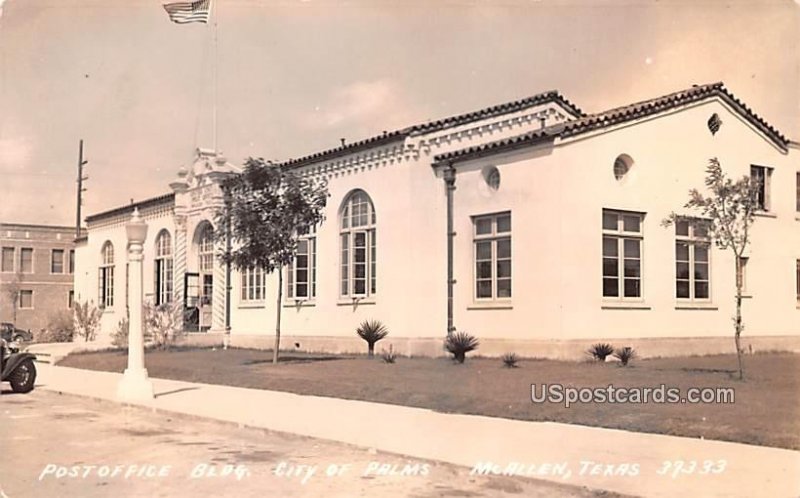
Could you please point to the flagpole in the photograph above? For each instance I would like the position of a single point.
(214, 117)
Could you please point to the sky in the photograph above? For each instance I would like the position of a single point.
(293, 77)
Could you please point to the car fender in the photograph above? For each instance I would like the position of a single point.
(14, 360)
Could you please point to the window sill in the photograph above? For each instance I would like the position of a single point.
(252, 304)
(625, 306)
(299, 303)
(491, 306)
(358, 301)
(765, 214)
(696, 307)
(110, 311)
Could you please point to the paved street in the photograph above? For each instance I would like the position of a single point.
(63, 445)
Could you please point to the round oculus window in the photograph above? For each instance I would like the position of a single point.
(622, 164)
(492, 176)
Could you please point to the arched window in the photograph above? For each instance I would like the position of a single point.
(105, 294)
(163, 267)
(358, 247)
(205, 249)
(205, 253)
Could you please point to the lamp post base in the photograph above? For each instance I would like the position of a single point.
(135, 386)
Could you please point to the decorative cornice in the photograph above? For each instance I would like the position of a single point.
(399, 136)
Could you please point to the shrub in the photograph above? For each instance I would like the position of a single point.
(600, 351)
(119, 338)
(459, 344)
(388, 356)
(624, 355)
(60, 328)
(372, 331)
(87, 320)
(163, 324)
(510, 360)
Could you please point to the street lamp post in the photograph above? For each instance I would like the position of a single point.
(135, 385)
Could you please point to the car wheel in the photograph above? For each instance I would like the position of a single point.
(23, 377)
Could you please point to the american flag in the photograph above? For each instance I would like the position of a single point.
(186, 12)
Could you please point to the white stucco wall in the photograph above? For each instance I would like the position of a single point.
(88, 258)
(556, 194)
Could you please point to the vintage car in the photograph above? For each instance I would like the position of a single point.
(10, 333)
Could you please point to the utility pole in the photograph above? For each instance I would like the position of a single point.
(81, 178)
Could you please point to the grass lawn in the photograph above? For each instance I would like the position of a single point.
(766, 409)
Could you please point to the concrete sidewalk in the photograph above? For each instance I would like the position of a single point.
(744, 470)
(53, 352)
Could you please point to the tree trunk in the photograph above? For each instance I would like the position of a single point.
(278, 317)
(738, 318)
(371, 349)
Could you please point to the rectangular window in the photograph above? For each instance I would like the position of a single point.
(622, 254)
(797, 195)
(797, 276)
(762, 175)
(302, 273)
(743, 273)
(8, 260)
(692, 262)
(253, 285)
(70, 299)
(26, 260)
(71, 261)
(26, 299)
(492, 252)
(57, 261)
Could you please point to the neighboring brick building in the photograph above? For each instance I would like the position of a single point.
(37, 263)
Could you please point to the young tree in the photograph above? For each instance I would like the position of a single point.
(163, 323)
(12, 290)
(726, 213)
(87, 320)
(265, 208)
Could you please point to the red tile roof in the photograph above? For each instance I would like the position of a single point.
(128, 208)
(620, 115)
(452, 121)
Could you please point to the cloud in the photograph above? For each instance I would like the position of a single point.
(361, 104)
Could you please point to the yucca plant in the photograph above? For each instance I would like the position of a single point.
(624, 355)
(459, 344)
(388, 356)
(600, 351)
(510, 360)
(372, 331)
